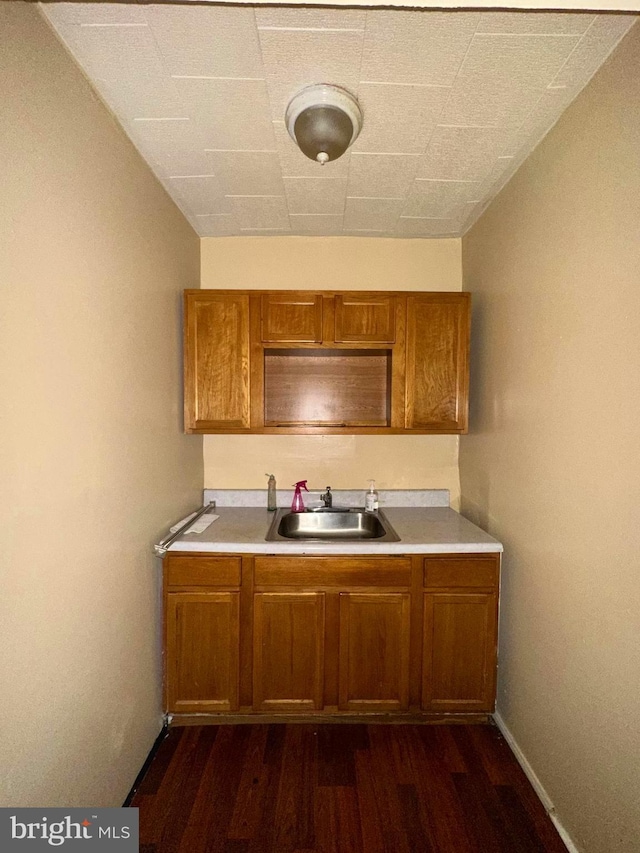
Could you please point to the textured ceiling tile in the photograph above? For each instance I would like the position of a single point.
(308, 18)
(229, 114)
(280, 93)
(518, 60)
(439, 199)
(188, 215)
(261, 212)
(367, 232)
(594, 47)
(398, 119)
(295, 164)
(500, 105)
(462, 153)
(212, 40)
(247, 172)
(148, 97)
(381, 174)
(315, 195)
(416, 47)
(216, 225)
(372, 213)
(503, 168)
(312, 57)
(327, 224)
(540, 120)
(406, 227)
(187, 162)
(117, 53)
(163, 140)
(560, 23)
(201, 194)
(473, 213)
(265, 232)
(94, 13)
(219, 144)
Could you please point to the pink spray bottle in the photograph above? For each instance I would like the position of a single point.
(298, 504)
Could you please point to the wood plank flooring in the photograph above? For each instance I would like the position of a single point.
(353, 788)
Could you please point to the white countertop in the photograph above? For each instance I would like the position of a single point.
(423, 530)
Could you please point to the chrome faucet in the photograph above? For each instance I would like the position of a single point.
(327, 497)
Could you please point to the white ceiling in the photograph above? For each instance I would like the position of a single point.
(453, 102)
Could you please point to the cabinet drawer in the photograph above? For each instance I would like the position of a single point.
(332, 572)
(202, 571)
(461, 571)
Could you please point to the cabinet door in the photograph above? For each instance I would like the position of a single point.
(288, 651)
(366, 317)
(374, 651)
(459, 658)
(437, 364)
(290, 317)
(216, 361)
(202, 651)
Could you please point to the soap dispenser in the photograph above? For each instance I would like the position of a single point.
(298, 503)
(371, 497)
(271, 493)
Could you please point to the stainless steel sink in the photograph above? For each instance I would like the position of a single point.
(331, 524)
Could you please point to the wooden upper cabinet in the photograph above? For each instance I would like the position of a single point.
(437, 366)
(326, 362)
(216, 361)
(291, 317)
(365, 317)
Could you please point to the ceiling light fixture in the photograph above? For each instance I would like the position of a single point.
(323, 120)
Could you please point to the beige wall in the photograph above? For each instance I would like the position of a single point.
(93, 464)
(332, 263)
(552, 465)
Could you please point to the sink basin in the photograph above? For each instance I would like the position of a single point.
(331, 524)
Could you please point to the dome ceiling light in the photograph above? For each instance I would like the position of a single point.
(323, 120)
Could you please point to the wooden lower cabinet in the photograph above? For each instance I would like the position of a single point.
(202, 652)
(329, 635)
(288, 651)
(459, 651)
(374, 651)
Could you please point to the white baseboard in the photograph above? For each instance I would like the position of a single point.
(536, 784)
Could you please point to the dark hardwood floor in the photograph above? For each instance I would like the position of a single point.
(353, 788)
